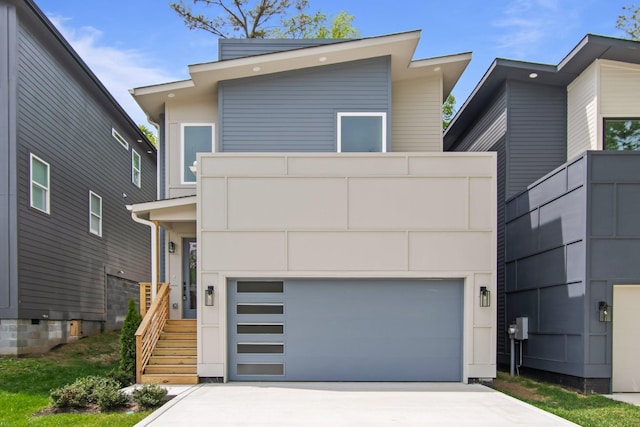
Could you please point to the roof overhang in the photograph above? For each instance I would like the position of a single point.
(400, 47)
(181, 209)
(590, 48)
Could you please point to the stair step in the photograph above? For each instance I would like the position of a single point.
(170, 369)
(176, 343)
(180, 328)
(178, 336)
(172, 360)
(169, 379)
(174, 351)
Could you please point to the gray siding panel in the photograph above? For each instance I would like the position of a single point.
(537, 141)
(239, 48)
(546, 273)
(63, 119)
(297, 111)
(489, 128)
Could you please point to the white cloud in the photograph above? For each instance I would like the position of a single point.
(527, 25)
(118, 69)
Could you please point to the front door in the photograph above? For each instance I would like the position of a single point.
(189, 278)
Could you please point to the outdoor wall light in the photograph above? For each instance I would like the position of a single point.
(208, 296)
(172, 248)
(485, 297)
(604, 310)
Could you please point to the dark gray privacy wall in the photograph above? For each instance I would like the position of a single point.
(545, 268)
(119, 292)
(8, 239)
(239, 48)
(614, 244)
(65, 119)
(297, 110)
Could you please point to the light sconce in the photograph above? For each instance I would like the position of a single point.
(485, 297)
(604, 311)
(172, 248)
(208, 296)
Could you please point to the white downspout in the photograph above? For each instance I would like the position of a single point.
(154, 250)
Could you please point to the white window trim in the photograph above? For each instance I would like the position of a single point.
(363, 114)
(116, 135)
(135, 154)
(91, 215)
(47, 189)
(213, 147)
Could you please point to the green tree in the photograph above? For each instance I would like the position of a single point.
(128, 340)
(448, 110)
(629, 21)
(256, 19)
(622, 135)
(150, 136)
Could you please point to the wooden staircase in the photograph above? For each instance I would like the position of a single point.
(173, 360)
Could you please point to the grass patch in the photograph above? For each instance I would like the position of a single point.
(586, 410)
(25, 383)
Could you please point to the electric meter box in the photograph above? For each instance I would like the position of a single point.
(522, 328)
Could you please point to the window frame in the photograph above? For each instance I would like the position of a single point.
(91, 215)
(604, 129)
(134, 155)
(182, 146)
(47, 189)
(116, 135)
(341, 114)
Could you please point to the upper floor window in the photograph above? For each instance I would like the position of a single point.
(196, 138)
(362, 132)
(39, 171)
(95, 214)
(120, 138)
(622, 134)
(135, 168)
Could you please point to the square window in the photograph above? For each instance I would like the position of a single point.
(135, 168)
(95, 214)
(622, 134)
(39, 171)
(196, 138)
(362, 132)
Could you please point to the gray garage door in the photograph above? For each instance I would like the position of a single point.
(345, 330)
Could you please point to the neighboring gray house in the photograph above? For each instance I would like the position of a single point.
(567, 233)
(331, 236)
(70, 255)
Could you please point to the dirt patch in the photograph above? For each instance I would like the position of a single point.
(519, 390)
(89, 409)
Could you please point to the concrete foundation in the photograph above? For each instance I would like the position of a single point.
(25, 336)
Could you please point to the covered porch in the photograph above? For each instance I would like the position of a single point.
(166, 346)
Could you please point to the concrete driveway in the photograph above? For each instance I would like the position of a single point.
(347, 404)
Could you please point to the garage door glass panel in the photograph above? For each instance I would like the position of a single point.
(260, 309)
(265, 348)
(259, 328)
(260, 287)
(260, 369)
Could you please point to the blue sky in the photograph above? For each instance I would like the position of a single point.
(136, 43)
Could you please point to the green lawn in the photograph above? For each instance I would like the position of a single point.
(25, 383)
(588, 411)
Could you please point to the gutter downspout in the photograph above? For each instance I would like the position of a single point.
(154, 249)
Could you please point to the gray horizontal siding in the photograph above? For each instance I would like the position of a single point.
(62, 119)
(489, 128)
(537, 133)
(296, 111)
(239, 48)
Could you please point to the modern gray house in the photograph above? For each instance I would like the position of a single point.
(322, 233)
(567, 208)
(70, 255)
